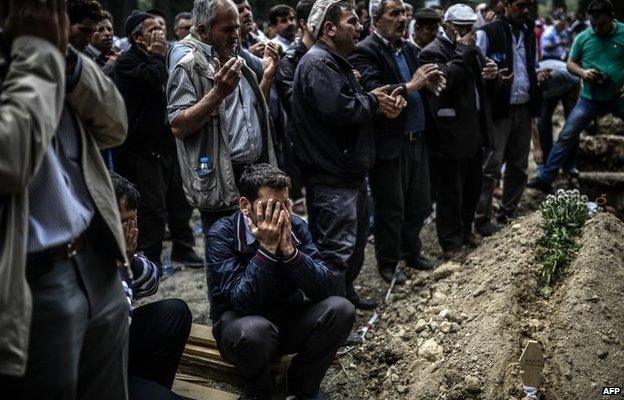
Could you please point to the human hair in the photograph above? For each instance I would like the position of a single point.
(359, 7)
(279, 11)
(334, 12)
(78, 10)
(205, 11)
(108, 16)
(376, 8)
(182, 15)
(258, 176)
(304, 7)
(124, 189)
(598, 8)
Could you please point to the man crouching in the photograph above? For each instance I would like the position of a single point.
(270, 292)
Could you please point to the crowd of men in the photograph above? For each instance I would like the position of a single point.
(108, 143)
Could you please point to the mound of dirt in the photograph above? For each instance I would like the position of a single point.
(458, 332)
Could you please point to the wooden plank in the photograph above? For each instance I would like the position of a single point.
(202, 335)
(208, 352)
(193, 391)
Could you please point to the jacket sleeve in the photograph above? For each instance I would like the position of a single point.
(244, 287)
(31, 102)
(144, 277)
(284, 80)
(367, 64)
(307, 270)
(99, 106)
(457, 69)
(147, 76)
(334, 97)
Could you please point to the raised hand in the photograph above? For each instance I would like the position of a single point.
(490, 70)
(390, 105)
(427, 73)
(270, 60)
(285, 245)
(131, 234)
(157, 44)
(506, 77)
(468, 39)
(227, 76)
(257, 49)
(270, 217)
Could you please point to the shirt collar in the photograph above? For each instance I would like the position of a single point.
(337, 57)
(94, 50)
(396, 48)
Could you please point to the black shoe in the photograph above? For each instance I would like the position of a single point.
(504, 219)
(254, 397)
(362, 304)
(189, 259)
(471, 240)
(419, 262)
(486, 229)
(353, 339)
(387, 272)
(539, 184)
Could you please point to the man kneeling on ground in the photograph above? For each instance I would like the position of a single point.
(270, 292)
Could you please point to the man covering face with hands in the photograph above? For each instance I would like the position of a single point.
(270, 289)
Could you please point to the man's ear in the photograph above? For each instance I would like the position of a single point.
(329, 28)
(202, 32)
(245, 206)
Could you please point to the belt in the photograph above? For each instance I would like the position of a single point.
(63, 251)
(413, 136)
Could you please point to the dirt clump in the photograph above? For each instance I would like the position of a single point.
(458, 332)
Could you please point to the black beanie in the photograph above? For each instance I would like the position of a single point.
(134, 19)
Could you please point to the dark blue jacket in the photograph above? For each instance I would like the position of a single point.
(331, 120)
(243, 277)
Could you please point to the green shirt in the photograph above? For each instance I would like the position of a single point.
(602, 53)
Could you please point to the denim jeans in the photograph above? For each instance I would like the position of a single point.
(545, 126)
(580, 118)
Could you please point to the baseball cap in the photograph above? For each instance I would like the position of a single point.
(317, 16)
(460, 14)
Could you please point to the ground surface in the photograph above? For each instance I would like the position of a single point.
(457, 332)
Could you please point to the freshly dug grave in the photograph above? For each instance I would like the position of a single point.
(458, 332)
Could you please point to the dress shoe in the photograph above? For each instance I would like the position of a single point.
(471, 240)
(362, 304)
(456, 255)
(189, 259)
(387, 272)
(353, 339)
(419, 262)
(539, 184)
(486, 229)
(504, 219)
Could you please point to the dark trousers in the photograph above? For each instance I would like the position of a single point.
(458, 185)
(79, 331)
(545, 124)
(314, 332)
(158, 334)
(512, 143)
(402, 193)
(158, 180)
(338, 222)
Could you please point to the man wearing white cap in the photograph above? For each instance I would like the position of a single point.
(331, 122)
(463, 126)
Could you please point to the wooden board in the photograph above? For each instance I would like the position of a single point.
(202, 335)
(193, 391)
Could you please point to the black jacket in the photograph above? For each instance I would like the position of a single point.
(141, 79)
(241, 276)
(285, 74)
(375, 62)
(331, 121)
(462, 128)
(500, 49)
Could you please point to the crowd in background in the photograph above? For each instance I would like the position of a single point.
(297, 140)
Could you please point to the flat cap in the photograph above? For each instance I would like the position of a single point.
(134, 19)
(460, 14)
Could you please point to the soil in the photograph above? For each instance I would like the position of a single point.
(458, 332)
